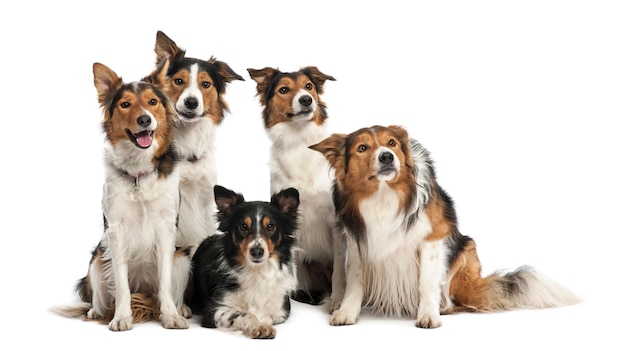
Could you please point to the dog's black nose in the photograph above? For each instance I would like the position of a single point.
(305, 100)
(256, 252)
(191, 103)
(385, 158)
(144, 120)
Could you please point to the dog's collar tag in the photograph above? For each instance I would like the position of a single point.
(138, 175)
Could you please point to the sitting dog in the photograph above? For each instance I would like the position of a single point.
(294, 117)
(136, 260)
(406, 256)
(243, 276)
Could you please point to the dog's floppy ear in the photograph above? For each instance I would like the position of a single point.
(263, 77)
(106, 82)
(317, 77)
(287, 201)
(224, 70)
(334, 149)
(166, 47)
(403, 138)
(226, 200)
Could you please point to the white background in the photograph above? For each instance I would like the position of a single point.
(521, 104)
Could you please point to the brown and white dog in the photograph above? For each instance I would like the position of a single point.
(135, 261)
(405, 254)
(197, 88)
(295, 117)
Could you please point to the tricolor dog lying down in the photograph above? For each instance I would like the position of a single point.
(405, 254)
(244, 275)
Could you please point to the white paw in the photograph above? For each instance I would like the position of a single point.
(174, 321)
(341, 317)
(428, 321)
(262, 331)
(121, 323)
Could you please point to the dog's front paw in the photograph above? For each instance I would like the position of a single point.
(174, 321)
(341, 317)
(262, 331)
(92, 314)
(121, 323)
(185, 311)
(428, 321)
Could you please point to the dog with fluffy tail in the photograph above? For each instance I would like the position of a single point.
(405, 253)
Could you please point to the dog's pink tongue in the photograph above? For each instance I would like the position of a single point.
(144, 139)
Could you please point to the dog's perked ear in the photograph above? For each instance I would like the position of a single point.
(334, 149)
(166, 48)
(106, 82)
(226, 200)
(317, 77)
(287, 201)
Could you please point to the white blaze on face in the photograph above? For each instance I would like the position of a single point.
(190, 101)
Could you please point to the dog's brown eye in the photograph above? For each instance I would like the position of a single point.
(206, 85)
(392, 142)
(271, 226)
(309, 86)
(243, 226)
(283, 90)
(125, 104)
(152, 102)
(178, 81)
(362, 148)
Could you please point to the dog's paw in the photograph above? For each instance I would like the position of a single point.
(428, 321)
(334, 305)
(174, 321)
(185, 311)
(92, 314)
(121, 323)
(341, 317)
(262, 331)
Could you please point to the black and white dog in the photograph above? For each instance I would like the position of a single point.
(243, 276)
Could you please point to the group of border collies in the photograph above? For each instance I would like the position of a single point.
(377, 232)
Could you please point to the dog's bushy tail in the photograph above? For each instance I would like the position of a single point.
(144, 308)
(521, 288)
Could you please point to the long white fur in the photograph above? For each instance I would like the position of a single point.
(139, 238)
(384, 277)
(294, 164)
(195, 140)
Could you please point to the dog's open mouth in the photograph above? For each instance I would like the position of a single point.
(142, 139)
(306, 111)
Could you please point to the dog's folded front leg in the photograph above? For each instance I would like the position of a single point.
(234, 319)
(353, 299)
(431, 260)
